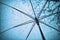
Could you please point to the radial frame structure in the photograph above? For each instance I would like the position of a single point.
(37, 19)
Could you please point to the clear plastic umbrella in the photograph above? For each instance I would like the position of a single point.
(39, 14)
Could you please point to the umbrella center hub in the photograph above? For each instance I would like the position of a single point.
(37, 21)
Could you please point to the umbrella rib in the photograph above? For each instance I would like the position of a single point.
(18, 10)
(30, 31)
(32, 8)
(43, 37)
(42, 9)
(49, 26)
(27, 22)
(48, 15)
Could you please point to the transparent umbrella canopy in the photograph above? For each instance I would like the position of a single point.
(30, 19)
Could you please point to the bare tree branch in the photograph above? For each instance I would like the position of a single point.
(50, 14)
(54, 15)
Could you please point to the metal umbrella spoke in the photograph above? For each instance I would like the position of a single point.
(37, 24)
(43, 37)
(42, 9)
(49, 26)
(27, 22)
(32, 8)
(49, 15)
(30, 31)
(18, 10)
(40, 30)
